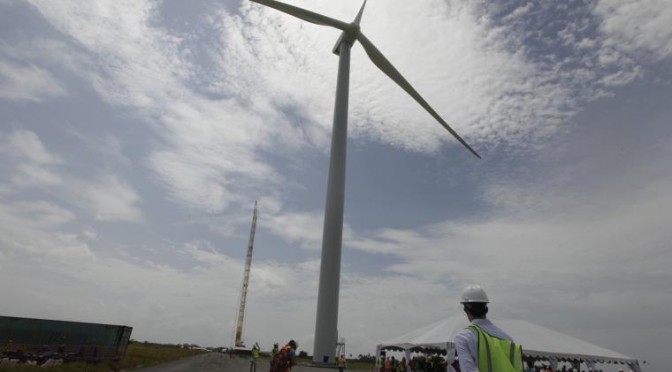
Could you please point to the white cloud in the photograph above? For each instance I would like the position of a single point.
(301, 228)
(304, 229)
(44, 214)
(36, 228)
(24, 144)
(204, 254)
(204, 144)
(30, 163)
(34, 175)
(209, 143)
(561, 230)
(638, 26)
(110, 198)
(107, 145)
(48, 52)
(272, 91)
(27, 83)
(464, 74)
(90, 234)
(479, 74)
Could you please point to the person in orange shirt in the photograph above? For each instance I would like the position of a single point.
(285, 359)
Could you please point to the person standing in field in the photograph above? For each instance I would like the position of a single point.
(387, 366)
(482, 346)
(341, 363)
(402, 365)
(274, 351)
(255, 358)
(285, 359)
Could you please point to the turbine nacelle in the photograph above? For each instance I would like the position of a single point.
(348, 35)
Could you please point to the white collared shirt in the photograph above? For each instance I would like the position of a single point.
(466, 343)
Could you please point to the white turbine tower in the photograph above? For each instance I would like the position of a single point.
(326, 335)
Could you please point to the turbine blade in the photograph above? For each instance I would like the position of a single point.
(359, 15)
(384, 65)
(304, 14)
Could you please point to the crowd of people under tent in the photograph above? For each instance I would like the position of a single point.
(437, 363)
(419, 363)
(572, 369)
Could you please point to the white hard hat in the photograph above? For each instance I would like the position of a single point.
(474, 293)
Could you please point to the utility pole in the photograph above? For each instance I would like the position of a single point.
(246, 281)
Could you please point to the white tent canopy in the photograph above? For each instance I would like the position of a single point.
(537, 342)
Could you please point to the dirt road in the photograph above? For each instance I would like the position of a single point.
(211, 362)
(205, 362)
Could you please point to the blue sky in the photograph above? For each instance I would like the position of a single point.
(136, 135)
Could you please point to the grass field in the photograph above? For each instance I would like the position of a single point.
(137, 355)
(146, 355)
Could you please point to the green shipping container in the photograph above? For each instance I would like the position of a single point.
(86, 340)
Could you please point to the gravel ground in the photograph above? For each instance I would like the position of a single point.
(214, 361)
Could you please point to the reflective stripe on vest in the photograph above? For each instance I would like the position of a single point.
(496, 354)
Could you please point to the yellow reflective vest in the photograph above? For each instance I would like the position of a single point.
(496, 354)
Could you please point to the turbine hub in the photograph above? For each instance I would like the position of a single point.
(351, 33)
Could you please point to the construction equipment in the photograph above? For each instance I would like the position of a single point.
(239, 343)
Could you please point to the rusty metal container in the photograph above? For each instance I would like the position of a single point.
(73, 340)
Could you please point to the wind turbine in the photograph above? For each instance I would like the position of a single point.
(326, 334)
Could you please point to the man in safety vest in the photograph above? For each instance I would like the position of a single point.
(255, 357)
(483, 347)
